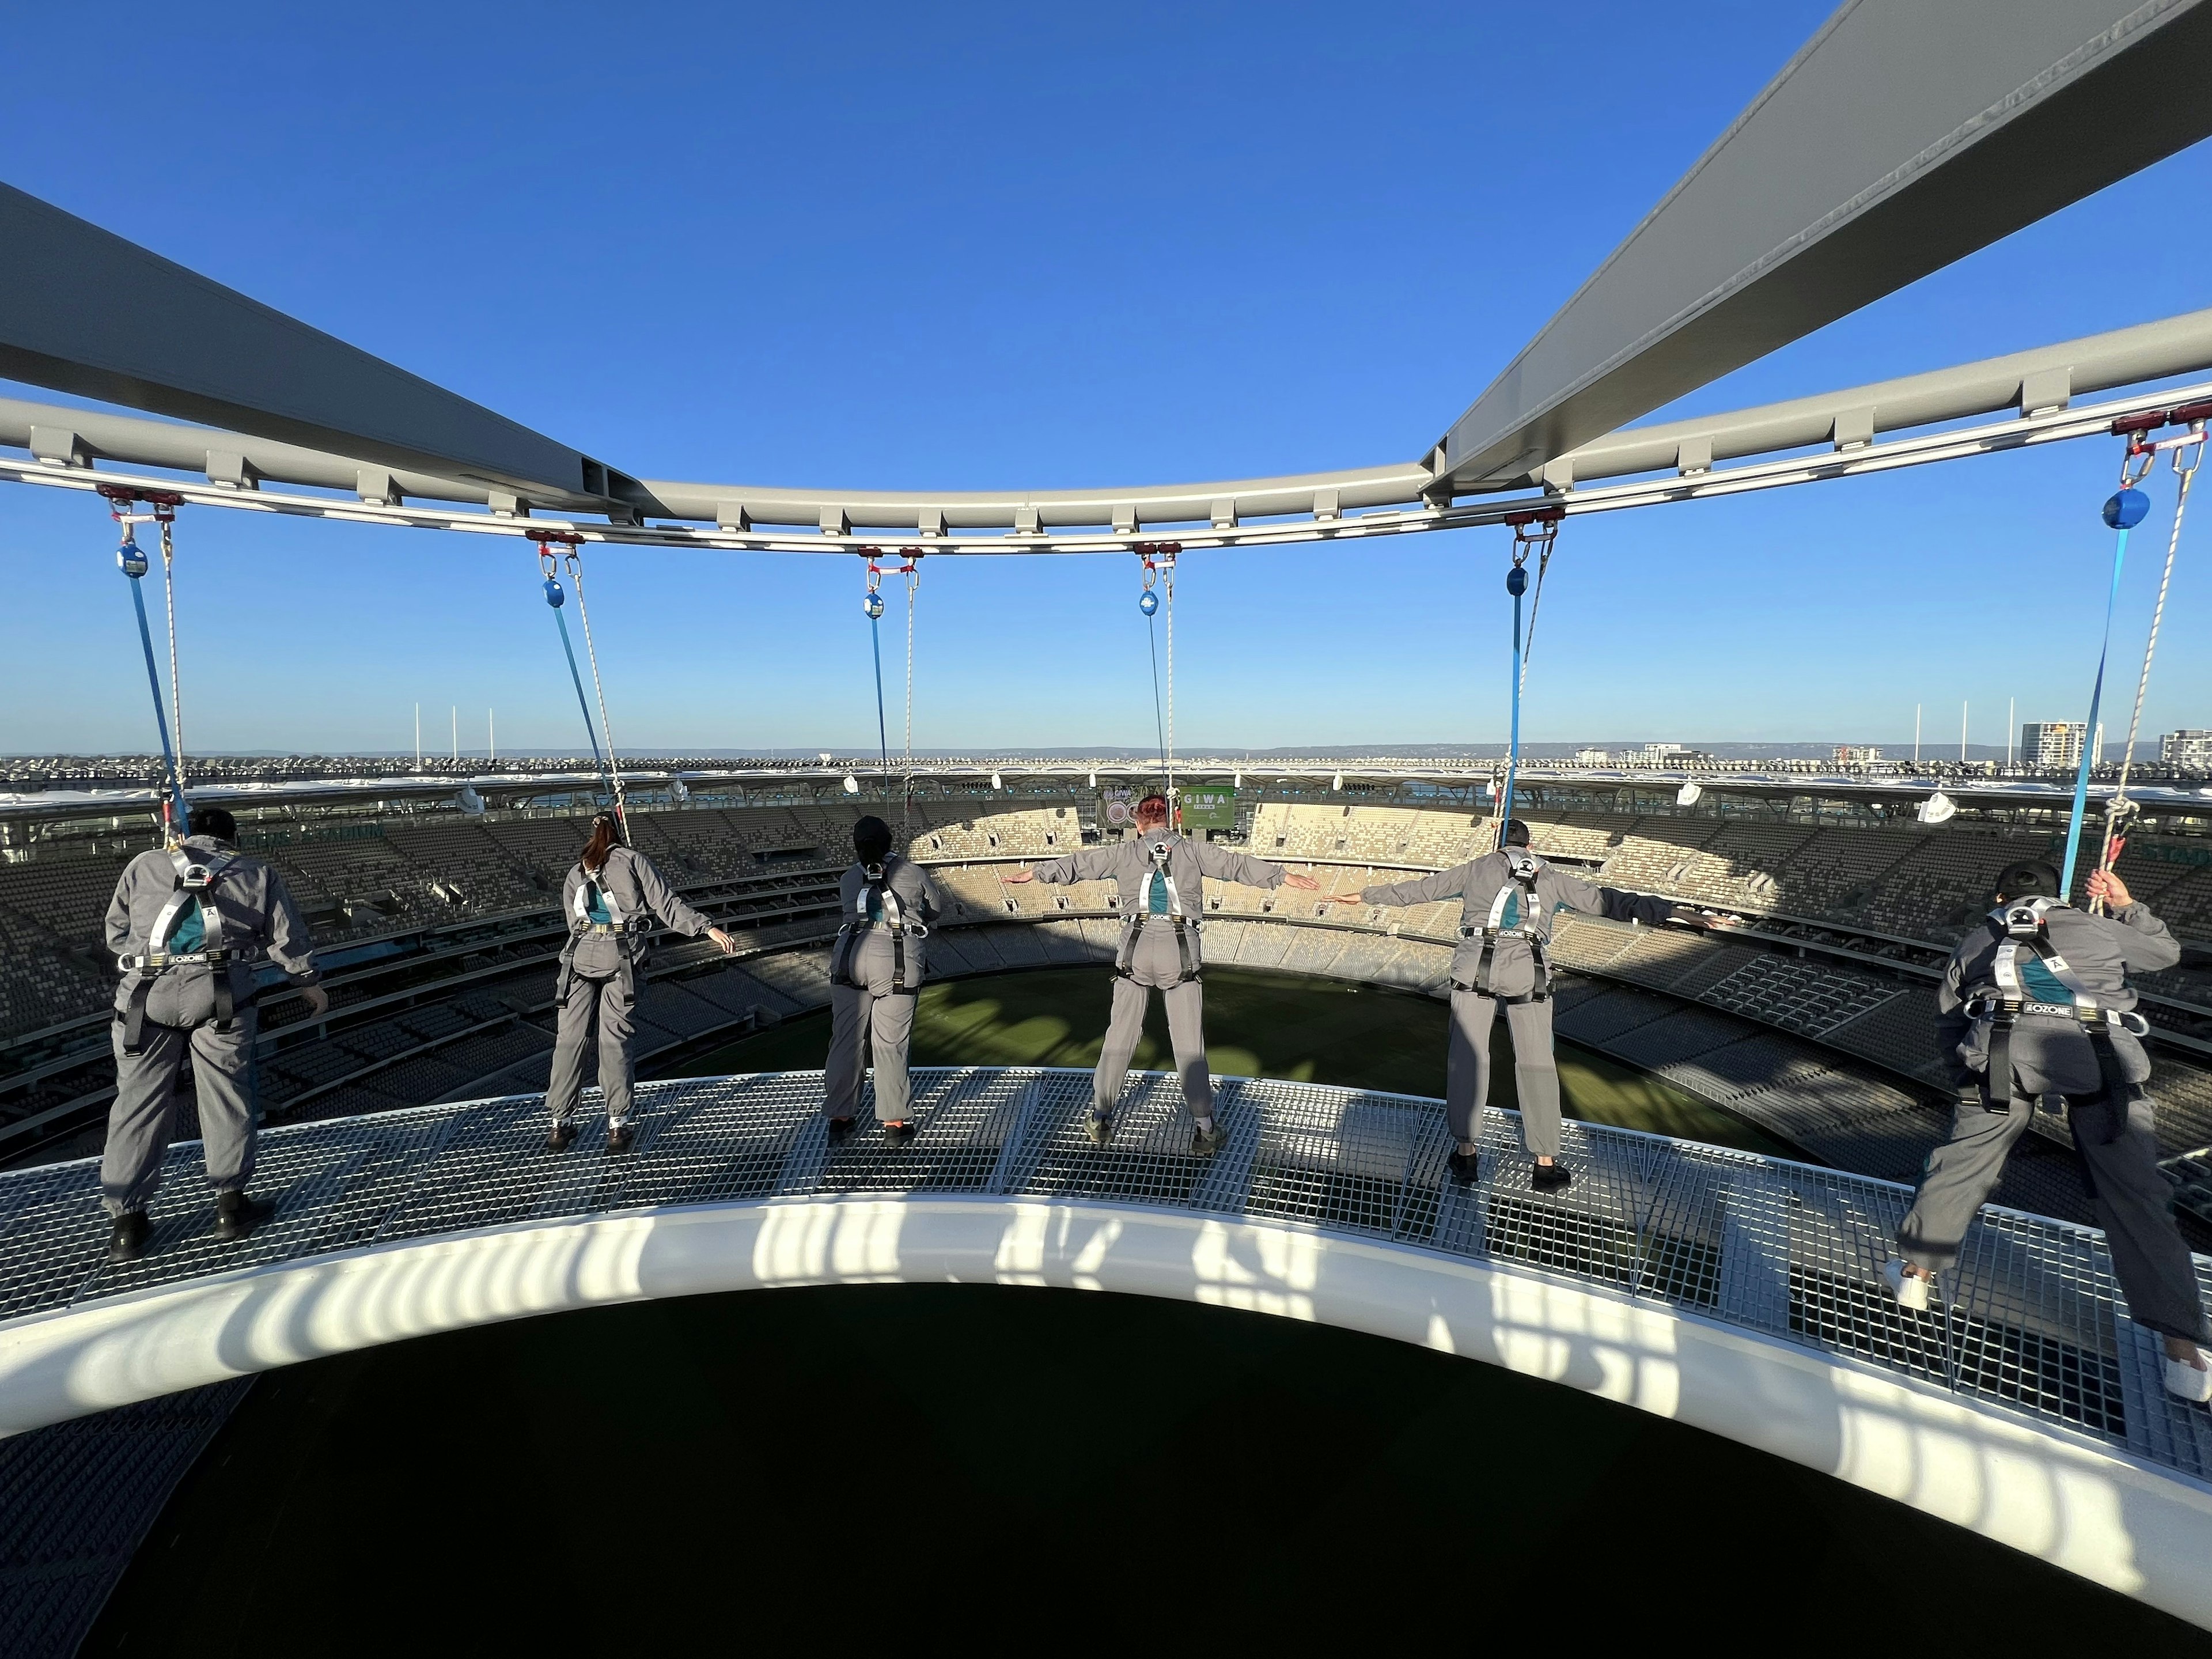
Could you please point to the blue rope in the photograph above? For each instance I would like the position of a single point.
(883, 735)
(1513, 753)
(2089, 734)
(161, 718)
(584, 703)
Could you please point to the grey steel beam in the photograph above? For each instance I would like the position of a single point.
(2035, 382)
(83, 311)
(1903, 136)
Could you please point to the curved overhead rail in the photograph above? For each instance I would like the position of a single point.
(1851, 460)
(1737, 1293)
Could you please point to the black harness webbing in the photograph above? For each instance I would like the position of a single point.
(2021, 928)
(877, 897)
(1522, 868)
(1192, 964)
(194, 883)
(628, 929)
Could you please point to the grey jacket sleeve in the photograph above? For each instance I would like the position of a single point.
(931, 903)
(1083, 864)
(664, 901)
(1952, 1025)
(575, 880)
(1422, 889)
(1226, 864)
(290, 945)
(119, 912)
(2143, 940)
(1614, 904)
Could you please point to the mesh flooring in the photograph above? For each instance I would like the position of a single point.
(2036, 1324)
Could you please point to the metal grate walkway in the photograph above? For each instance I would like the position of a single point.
(1787, 1249)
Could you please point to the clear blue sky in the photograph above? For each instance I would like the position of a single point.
(917, 246)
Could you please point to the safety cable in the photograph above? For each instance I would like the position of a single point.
(550, 565)
(2118, 810)
(1535, 604)
(131, 559)
(599, 690)
(1534, 531)
(906, 774)
(1158, 559)
(169, 593)
(2124, 511)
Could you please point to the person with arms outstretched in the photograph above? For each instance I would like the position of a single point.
(876, 971)
(1507, 900)
(1162, 878)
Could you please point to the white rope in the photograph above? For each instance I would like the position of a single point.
(176, 697)
(599, 690)
(2116, 810)
(1535, 603)
(906, 777)
(1175, 819)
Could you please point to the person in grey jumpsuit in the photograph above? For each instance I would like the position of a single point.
(2047, 984)
(186, 926)
(1507, 900)
(876, 971)
(1161, 877)
(612, 899)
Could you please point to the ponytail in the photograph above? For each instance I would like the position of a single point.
(604, 837)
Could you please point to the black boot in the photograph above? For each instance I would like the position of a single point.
(126, 1242)
(898, 1134)
(1549, 1177)
(237, 1215)
(621, 1136)
(1465, 1166)
(561, 1136)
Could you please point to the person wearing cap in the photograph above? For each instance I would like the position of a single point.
(1507, 900)
(876, 971)
(1161, 879)
(2034, 1003)
(187, 924)
(612, 900)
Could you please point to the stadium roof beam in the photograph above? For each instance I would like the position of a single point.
(85, 312)
(1902, 137)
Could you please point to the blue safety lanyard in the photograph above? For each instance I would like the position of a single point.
(554, 597)
(134, 566)
(1534, 531)
(2123, 512)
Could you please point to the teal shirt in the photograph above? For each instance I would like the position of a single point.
(1155, 894)
(191, 933)
(2041, 983)
(595, 906)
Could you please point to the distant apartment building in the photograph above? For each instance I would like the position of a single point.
(2057, 743)
(2186, 750)
(1666, 754)
(1855, 754)
(1593, 758)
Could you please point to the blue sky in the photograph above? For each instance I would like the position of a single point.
(994, 245)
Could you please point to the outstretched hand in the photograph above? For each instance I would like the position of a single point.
(2106, 884)
(729, 945)
(1344, 898)
(1306, 882)
(318, 999)
(1019, 876)
(1683, 916)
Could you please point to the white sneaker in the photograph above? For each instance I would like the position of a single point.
(1911, 1290)
(2186, 1382)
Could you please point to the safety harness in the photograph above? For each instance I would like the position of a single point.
(623, 925)
(2024, 927)
(877, 897)
(196, 880)
(1521, 869)
(1158, 854)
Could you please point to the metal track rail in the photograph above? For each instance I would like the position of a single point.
(1859, 461)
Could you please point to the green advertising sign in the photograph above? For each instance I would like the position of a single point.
(1211, 806)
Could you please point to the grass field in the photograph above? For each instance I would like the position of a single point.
(1258, 1025)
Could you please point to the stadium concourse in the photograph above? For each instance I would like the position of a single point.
(437, 920)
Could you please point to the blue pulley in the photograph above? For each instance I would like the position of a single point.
(2127, 509)
(1149, 602)
(1516, 581)
(554, 597)
(132, 558)
(873, 604)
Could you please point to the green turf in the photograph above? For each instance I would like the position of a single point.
(1258, 1025)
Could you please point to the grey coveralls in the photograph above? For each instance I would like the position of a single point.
(172, 999)
(598, 974)
(2052, 1054)
(1160, 950)
(876, 969)
(1505, 931)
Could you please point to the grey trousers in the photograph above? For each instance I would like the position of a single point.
(607, 1002)
(2128, 1194)
(859, 1019)
(143, 1119)
(1467, 1069)
(1186, 1035)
